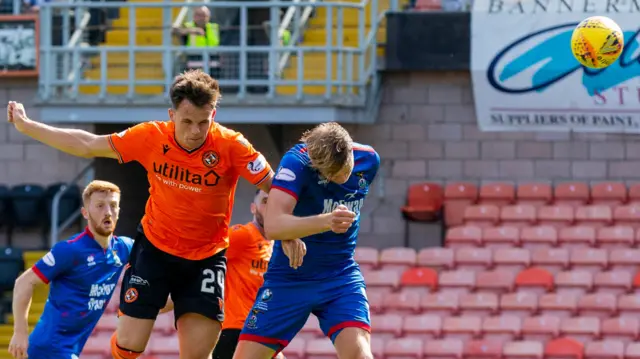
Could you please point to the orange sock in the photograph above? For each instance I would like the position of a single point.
(119, 353)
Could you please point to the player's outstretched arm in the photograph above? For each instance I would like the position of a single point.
(281, 224)
(72, 141)
(22, 294)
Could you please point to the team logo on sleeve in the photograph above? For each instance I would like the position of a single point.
(49, 259)
(258, 165)
(285, 174)
(210, 159)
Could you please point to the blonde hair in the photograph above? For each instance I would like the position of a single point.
(329, 146)
(98, 186)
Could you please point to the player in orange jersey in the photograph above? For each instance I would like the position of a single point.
(247, 260)
(193, 166)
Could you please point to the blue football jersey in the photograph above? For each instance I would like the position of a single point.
(328, 254)
(82, 277)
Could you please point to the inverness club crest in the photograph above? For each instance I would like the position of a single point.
(210, 159)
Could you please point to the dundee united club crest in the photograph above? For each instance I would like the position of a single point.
(210, 159)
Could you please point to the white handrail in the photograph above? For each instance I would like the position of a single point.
(297, 33)
(181, 16)
(75, 39)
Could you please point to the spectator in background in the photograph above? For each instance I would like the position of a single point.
(201, 33)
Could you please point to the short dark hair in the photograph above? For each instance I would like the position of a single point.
(195, 86)
(329, 146)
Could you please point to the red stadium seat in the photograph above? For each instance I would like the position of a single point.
(482, 215)
(521, 305)
(629, 306)
(534, 280)
(377, 348)
(383, 281)
(614, 282)
(609, 194)
(535, 194)
(443, 349)
(320, 349)
(404, 302)
(598, 305)
(420, 280)
(497, 281)
(558, 305)
(164, 345)
(107, 323)
(604, 350)
(367, 257)
(562, 348)
(615, 237)
(376, 301)
(634, 193)
(473, 259)
(424, 327)
(621, 329)
(557, 216)
(632, 351)
(628, 215)
(500, 237)
(436, 258)
(553, 260)
(398, 258)
(457, 281)
(589, 259)
(625, 259)
(478, 304)
(539, 237)
(295, 349)
(501, 329)
(519, 215)
(483, 349)
(574, 282)
(387, 326)
(165, 323)
(540, 328)
(523, 350)
(511, 259)
(572, 194)
(457, 196)
(97, 346)
(594, 216)
(582, 329)
(577, 237)
(424, 202)
(464, 236)
(443, 304)
(463, 328)
(498, 194)
(404, 348)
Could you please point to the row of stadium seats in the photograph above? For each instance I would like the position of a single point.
(28, 205)
(456, 196)
(419, 348)
(534, 279)
(506, 258)
(523, 215)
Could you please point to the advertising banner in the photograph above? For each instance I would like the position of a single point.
(525, 77)
(19, 45)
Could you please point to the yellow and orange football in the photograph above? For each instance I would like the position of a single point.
(597, 42)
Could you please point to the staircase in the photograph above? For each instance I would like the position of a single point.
(314, 64)
(148, 66)
(37, 306)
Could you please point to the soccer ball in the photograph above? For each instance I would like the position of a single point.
(597, 42)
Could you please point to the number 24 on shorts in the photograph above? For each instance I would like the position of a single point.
(210, 278)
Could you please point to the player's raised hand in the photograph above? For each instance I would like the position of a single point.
(16, 114)
(342, 219)
(295, 250)
(19, 345)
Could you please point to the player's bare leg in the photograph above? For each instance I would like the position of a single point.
(353, 343)
(252, 350)
(198, 336)
(131, 336)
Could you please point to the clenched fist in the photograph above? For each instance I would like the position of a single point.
(341, 219)
(16, 114)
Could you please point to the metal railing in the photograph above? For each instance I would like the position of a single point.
(56, 228)
(345, 73)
